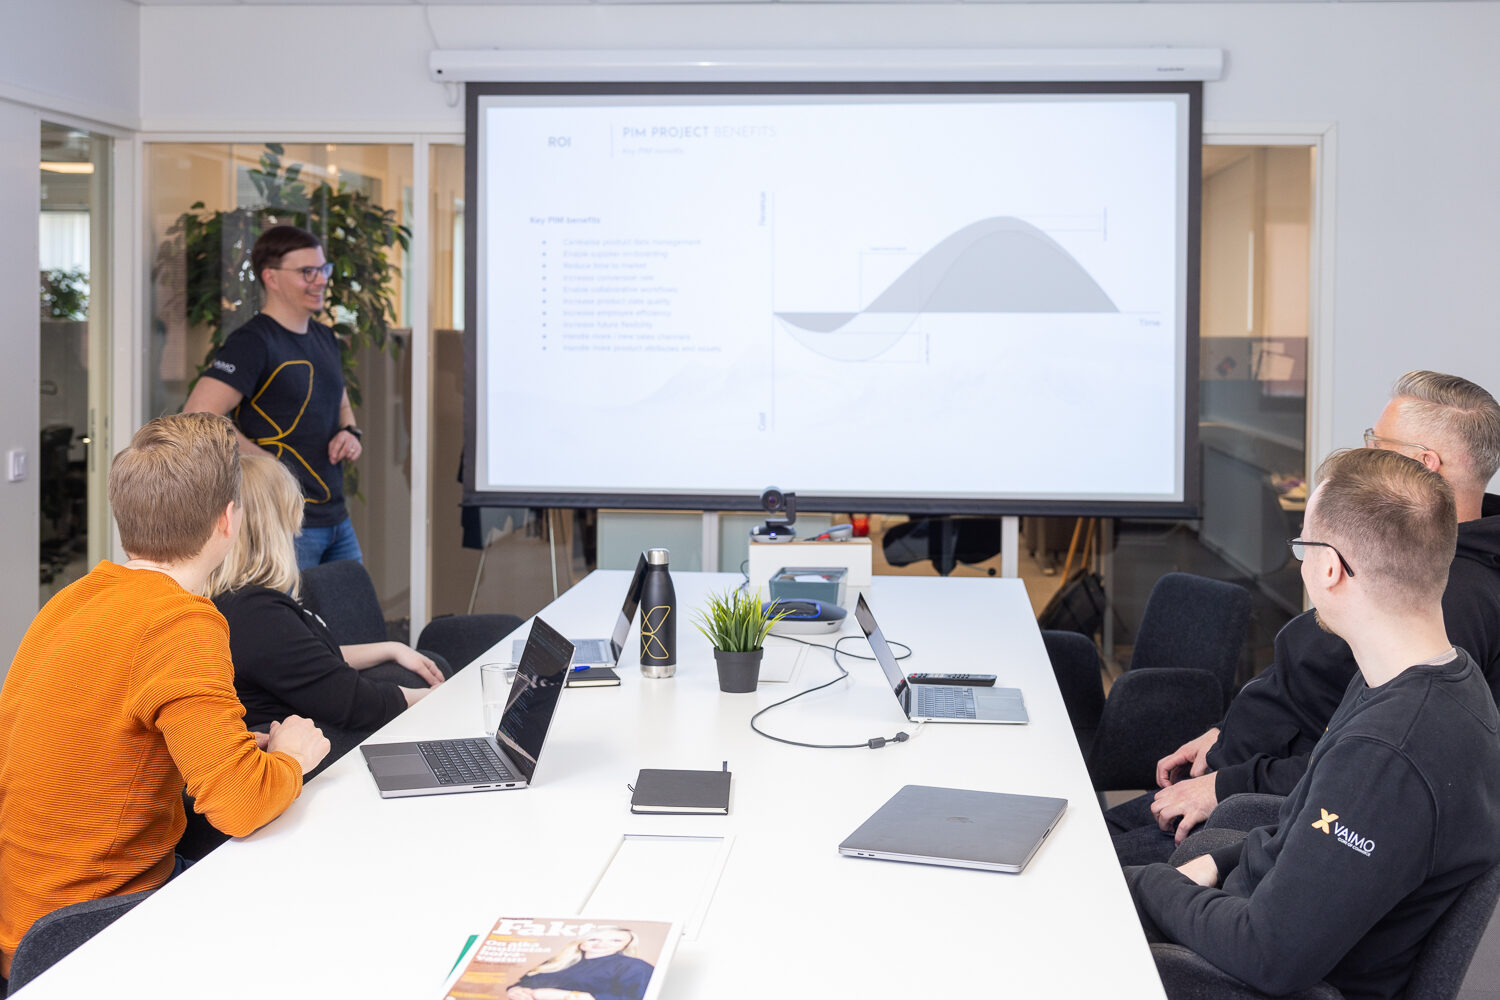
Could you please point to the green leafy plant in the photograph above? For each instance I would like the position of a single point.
(220, 292)
(736, 622)
(65, 294)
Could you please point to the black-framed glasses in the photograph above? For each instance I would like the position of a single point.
(1299, 552)
(310, 274)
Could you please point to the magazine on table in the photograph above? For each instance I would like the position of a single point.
(538, 958)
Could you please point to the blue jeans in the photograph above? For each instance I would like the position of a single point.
(325, 544)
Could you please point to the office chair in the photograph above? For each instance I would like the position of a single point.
(460, 639)
(1192, 621)
(343, 595)
(1437, 974)
(1148, 714)
(53, 937)
(1075, 664)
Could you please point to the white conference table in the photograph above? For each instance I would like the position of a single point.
(351, 895)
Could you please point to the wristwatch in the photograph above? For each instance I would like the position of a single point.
(353, 430)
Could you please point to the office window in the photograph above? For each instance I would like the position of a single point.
(206, 202)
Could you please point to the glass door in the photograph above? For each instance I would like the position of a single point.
(73, 457)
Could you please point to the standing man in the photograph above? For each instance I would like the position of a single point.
(1399, 808)
(122, 694)
(280, 378)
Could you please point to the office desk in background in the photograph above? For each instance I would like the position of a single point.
(350, 895)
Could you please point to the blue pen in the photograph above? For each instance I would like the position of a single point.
(581, 666)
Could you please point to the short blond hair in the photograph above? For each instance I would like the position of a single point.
(1393, 519)
(170, 485)
(264, 553)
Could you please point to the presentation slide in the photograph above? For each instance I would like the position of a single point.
(957, 296)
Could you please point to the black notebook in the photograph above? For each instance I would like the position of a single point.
(668, 791)
(594, 677)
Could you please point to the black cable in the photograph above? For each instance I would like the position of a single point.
(874, 743)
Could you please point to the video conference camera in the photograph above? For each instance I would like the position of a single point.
(777, 528)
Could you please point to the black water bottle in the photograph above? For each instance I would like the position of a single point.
(658, 618)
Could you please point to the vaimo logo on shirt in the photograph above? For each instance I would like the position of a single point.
(1329, 824)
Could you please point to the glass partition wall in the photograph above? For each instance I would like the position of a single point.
(205, 204)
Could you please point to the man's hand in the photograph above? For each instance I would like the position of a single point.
(344, 445)
(416, 663)
(1202, 870)
(1191, 799)
(1193, 753)
(299, 737)
(262, 740)
(414, 695)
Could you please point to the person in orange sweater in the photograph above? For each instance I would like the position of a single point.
(122, 693)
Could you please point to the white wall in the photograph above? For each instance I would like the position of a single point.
(75, 61)
(1409, 87)
(73, 57)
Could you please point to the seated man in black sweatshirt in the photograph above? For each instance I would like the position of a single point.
(1399, 807)
(1452, 427)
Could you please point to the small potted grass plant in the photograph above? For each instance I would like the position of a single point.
(736, 624)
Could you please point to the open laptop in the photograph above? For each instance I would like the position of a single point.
(505, 758)
(940, 702)
(958, 827)
(605, 652)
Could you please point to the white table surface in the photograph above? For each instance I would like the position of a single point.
(351, 895)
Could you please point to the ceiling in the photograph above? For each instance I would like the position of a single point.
(550, 3)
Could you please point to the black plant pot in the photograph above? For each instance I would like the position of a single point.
(738, 672)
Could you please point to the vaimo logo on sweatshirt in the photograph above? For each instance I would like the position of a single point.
(1329, 824)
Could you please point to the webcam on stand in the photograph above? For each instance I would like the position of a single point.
(776, 529)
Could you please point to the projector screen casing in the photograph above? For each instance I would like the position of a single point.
(877, 452)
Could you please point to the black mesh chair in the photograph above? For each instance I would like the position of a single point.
(1075, 664)
(1181, 672)
(53, 937)
(343, 595)
(1438, 973)
(461, 639)
(1192, 621)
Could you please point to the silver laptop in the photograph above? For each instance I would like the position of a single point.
(958, 827)
(940, 702)
(506, 758)
(605, 652)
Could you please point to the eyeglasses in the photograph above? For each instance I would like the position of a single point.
(1373, 440)
(1299, 552)
(310, 274)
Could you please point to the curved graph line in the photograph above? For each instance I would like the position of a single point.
(996, 265)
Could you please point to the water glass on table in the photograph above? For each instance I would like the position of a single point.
(494, 686)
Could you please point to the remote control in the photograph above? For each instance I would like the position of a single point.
(970, 680)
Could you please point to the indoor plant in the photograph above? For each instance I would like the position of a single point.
(736, 624)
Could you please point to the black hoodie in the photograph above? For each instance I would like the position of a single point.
(1279, 716)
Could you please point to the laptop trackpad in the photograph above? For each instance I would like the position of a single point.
(406, 765)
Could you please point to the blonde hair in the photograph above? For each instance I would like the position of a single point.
(1393, 519)
(573, 953)
(263, 554)
(170, 485)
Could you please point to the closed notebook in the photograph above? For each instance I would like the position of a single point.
(669, 791)
(593, 677)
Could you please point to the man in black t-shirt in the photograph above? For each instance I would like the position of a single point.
(281, 380)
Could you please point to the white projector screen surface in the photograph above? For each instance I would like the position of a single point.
(960, 298)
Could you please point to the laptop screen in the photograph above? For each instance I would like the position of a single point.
(533, 696)
(627, 613)
(883, 654)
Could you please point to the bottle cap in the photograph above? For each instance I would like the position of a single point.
(657, 557)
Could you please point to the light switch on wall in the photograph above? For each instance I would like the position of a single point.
(16, 467)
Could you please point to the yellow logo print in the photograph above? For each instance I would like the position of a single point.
(1323, 824)
(651, 623)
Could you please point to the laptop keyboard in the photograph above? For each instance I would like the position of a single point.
(465, 762)
(945, 701)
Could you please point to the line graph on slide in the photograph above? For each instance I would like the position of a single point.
(1001, 264)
